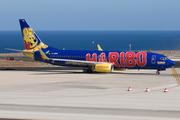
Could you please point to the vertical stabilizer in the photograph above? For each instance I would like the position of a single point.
(31, 41)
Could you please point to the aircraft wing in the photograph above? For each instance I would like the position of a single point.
(99, 47)
(76, 62)
(80, 62)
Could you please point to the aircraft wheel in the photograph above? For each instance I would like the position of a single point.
(157, 72)
(87, 71)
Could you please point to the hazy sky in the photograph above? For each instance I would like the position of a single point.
(91, 14)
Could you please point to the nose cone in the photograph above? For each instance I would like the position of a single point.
(171, 63)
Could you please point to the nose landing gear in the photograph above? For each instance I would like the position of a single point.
(157, 72)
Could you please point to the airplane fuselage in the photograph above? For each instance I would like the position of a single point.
(120, 59)
(99, 61)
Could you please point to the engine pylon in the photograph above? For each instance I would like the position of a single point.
(147, 90)
(129, 89)
(166, 90)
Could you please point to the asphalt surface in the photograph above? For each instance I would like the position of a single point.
(40, 68)
(71, 95)
(91, 110)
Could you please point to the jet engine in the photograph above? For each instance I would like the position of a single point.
(104, 67)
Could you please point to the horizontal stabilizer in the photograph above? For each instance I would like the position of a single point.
(19, 50)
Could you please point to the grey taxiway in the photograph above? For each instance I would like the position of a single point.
(73, 95)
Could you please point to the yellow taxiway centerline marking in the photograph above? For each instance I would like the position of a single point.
(176, 75)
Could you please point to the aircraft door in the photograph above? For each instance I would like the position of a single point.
(153, 59)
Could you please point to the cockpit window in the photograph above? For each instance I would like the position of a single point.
(164, 58)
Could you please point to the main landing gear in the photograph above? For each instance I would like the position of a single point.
(157, 72)
(87, 71)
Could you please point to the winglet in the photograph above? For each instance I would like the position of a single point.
(99, 48)
(43, 55)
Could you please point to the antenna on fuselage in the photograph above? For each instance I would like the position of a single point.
(129, 47)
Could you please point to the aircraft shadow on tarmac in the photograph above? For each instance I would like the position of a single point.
(50, 72)
(69, 70)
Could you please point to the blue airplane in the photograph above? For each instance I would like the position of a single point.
(98, 61)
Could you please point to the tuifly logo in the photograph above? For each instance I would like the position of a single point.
(47, 52)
